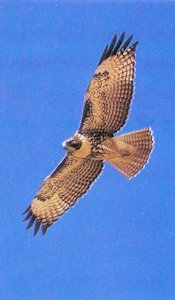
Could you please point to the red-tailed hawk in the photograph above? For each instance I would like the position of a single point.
(107, 102)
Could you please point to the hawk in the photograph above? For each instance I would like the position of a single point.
(107, 101)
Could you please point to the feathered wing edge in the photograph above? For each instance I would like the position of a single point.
(116, 46)
(33, 219)
(28, 212)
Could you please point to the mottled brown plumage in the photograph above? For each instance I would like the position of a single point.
(106, 107)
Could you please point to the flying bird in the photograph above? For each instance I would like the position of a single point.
(107, 102)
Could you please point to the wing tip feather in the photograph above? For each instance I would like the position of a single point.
(37, 227)
(44, 230)
(27, 209)
(33, 221)
(116, 46)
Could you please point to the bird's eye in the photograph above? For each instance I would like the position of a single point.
(75, 145)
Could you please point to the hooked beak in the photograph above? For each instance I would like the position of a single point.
(64, 144)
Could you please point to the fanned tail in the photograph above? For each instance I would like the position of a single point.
(130, 152)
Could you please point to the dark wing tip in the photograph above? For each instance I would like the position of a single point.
(117, 46)
(126, 44)
(33, 221)
(28, 208)
(111, 46)
(44, 229)
(37, 226)
(134, 45)
(119, 42)
(28, 215)
(103, 55)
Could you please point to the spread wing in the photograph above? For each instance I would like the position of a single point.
(110, 91)
(70, 180)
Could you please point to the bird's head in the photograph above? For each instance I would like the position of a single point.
(73, 144)
(78, 146)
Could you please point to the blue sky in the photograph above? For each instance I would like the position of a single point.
(118, 241)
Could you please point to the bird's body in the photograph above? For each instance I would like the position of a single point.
(106, 107)
(91, 145)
